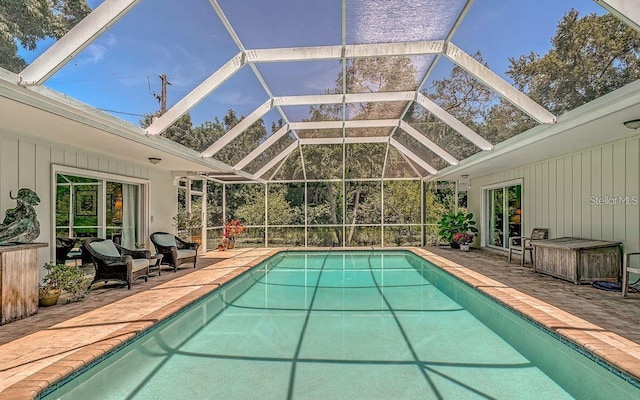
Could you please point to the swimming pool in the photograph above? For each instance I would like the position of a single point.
(320, 325)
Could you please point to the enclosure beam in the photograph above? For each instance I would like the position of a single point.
(72, 43)
(238, 129)
(453, 122)
(348, 140)
(428, 143)
(360, 123)
(350, 51)
(628, 11)
(275, 160)
(196, 95)
(499, 85)
(412, 156)
(263, 146)
(339, 98)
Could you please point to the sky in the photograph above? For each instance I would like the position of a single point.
(187, 41)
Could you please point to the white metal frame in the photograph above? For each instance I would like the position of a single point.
(110, 11)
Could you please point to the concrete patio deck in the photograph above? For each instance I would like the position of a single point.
(42, 349)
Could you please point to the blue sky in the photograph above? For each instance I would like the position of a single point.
(186, 41)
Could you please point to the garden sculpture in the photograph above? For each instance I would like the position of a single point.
(20, 224)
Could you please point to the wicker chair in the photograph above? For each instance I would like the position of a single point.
(114, 262)
(174, 250)
(522, 244)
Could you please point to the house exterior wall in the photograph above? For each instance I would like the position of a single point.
(27, 162)
(578, 194)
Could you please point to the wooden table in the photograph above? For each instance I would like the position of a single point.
(19, 280)
(578, 260)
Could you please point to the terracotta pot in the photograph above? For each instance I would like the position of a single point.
(49, 298)
(232, 243)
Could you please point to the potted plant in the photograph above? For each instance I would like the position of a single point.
(59, 277)
(463, 239)
(452, 223)
(232, 229)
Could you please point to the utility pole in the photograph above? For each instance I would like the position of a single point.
(162, 98)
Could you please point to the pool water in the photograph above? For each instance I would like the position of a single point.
(347, 325)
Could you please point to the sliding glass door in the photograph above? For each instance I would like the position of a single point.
(503, 214)
(98, 207)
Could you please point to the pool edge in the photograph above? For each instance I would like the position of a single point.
(609, 347)
(614, 349)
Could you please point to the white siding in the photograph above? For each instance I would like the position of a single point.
(556, 193)
(24, 163)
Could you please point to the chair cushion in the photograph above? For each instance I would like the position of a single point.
(105, 247)
(139, 263)
(166, 239)
(184, 253)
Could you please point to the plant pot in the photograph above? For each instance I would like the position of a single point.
(221, 247)
(49, 298)
(464, 247)
(454, 245)
(232, 243)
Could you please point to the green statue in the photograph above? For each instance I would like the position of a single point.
(21, 223)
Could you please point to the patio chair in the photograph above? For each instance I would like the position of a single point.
(174, 250)
(522, 244)
(626, 270)
(63, 247)
(114, 262)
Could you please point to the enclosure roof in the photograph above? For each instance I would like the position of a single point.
(323, 90)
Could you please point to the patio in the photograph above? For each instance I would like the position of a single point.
(88, 329)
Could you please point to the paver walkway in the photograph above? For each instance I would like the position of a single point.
(42, 349)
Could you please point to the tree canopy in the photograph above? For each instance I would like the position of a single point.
(27, 22)
(591, 56)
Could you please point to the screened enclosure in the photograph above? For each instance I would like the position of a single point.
(328, 123)
(328, 213)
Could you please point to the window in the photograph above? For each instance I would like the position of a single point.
(93, 204)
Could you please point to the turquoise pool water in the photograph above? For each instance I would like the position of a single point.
(347, 325)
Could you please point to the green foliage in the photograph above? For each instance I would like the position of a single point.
(69, 278)
(452, 223)
(187, 223)
(591, 56)
(26, 22)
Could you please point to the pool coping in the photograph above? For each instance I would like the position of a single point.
(36, 372)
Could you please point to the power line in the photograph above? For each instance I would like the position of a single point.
(121, 112)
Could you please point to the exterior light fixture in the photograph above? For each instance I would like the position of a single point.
(632, 124)
(154, 160)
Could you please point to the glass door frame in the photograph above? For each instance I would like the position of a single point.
(486, 192)
(143, 199)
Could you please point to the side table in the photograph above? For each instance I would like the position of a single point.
(155, 266)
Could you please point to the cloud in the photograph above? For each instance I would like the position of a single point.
(95, 52)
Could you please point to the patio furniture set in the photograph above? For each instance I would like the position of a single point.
(114, 262)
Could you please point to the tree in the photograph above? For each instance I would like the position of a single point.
(27, 22)
(591, 56)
